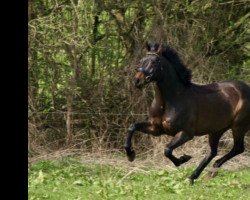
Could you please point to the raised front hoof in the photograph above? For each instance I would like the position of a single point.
(184, 158)
(131, 156)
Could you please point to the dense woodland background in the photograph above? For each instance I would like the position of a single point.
(82, 55)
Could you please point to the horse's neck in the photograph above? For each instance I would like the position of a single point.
(158, 95)
(167, 92)
(169, 89)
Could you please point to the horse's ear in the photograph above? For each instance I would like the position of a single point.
(148, 46)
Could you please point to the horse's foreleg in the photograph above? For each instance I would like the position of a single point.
(213, 143)
(179, 139)
(144, 127)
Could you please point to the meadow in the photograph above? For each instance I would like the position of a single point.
(71, 179)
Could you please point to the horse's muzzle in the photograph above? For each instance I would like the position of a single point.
(139, 83)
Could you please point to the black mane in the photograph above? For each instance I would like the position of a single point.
(172, 56)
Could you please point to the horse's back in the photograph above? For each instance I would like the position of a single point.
(222, 105)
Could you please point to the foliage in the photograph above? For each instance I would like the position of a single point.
(69, 179)
(82, 55)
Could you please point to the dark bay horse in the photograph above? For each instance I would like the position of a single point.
(183, 109)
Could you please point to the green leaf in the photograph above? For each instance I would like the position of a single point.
(78, 182)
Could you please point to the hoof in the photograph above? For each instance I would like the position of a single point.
(131, 156)
(191, 181)
(184, 158)
(213, 172)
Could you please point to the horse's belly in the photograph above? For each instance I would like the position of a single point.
(214, 118)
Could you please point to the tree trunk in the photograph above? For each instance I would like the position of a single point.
(29, 9)
(95, 39)
(69, 118)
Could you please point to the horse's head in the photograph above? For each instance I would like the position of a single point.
(150, 68)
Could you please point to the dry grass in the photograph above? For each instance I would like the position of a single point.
(153, 156)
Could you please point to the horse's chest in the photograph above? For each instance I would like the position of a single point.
(166, 123)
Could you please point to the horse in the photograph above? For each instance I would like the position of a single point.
(183, 109)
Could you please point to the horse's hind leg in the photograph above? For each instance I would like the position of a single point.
(238, 148)
(213, 143)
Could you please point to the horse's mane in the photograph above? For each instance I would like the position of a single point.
(184, 74)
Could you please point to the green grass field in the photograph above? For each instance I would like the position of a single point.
(69, 179)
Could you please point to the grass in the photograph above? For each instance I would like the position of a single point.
(69, 179)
